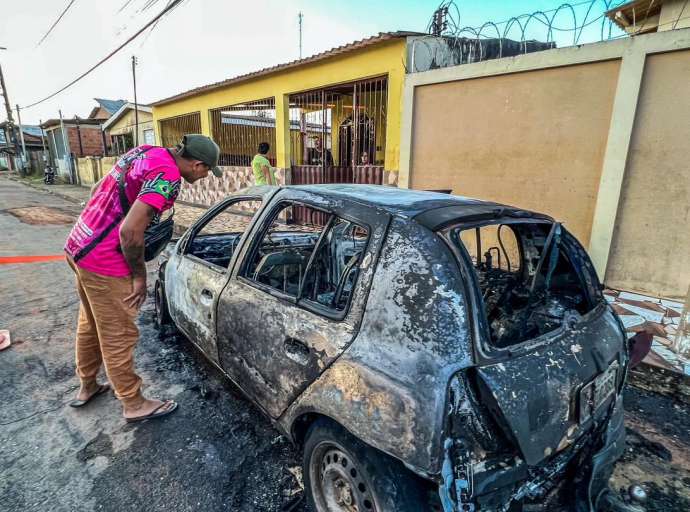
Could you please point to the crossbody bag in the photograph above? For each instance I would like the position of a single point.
(157, 235)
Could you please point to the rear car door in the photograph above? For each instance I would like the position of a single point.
(200, 270)
(296, 298)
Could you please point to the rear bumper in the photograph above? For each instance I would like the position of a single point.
(581, 477)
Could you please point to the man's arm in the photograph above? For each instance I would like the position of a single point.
(267, 174)
(132, 243)
(96, 185)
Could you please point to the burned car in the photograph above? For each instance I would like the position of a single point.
(427, 351)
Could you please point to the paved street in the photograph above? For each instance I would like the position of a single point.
(217, 452)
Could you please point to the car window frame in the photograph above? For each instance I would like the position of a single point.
(298, 301)
(317, 307)
(211, 214)
(485, 352)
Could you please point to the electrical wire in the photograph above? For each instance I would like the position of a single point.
(56, 22)
(168, 8)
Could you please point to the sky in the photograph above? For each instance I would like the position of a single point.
(204, 41)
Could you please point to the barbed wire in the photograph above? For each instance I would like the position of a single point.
(450, 43)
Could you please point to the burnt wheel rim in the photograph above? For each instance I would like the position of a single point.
(337, 482)
(158, 304)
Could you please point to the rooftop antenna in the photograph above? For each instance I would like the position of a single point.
(300, 17)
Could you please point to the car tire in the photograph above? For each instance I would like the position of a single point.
(341, 473)
(162, 315)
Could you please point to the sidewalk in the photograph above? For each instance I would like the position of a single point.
(185, 215)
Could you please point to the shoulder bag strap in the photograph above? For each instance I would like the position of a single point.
(124, 202)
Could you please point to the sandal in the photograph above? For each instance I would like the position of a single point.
(4, 340)
(156, 413)
(103, 388)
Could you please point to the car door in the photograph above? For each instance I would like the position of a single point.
(273, 342)
(200, 269)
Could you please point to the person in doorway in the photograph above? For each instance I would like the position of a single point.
(318, 155)
(364, 158)
(263, 172)
(105, 249)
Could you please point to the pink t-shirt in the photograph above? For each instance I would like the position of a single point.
(151, 176)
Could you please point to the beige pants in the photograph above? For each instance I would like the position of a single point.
(107, 333)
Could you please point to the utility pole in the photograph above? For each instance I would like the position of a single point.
(136, 106)
(300, 17)
(439, 23)
(8, 110)
(21, 137)
(46, 159)
(66, 149)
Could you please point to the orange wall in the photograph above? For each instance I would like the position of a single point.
(534, 139)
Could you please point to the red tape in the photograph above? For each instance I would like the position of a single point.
(10, 260)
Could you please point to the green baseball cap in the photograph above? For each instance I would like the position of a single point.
(202, 148)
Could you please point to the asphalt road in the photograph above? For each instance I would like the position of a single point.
(217, 452)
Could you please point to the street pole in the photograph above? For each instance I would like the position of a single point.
(8, 109)
(21, 137)
(136, 106)
(10, 121)
(43, 142)
(65, 147)
(300, 16)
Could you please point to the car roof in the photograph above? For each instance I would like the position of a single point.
(431, 209)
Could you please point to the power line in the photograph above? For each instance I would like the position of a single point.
(56, 22)
(167, 9)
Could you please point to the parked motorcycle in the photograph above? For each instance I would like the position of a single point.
(49, 175)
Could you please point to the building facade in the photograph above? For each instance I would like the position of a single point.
(129, 127)
(333, 117)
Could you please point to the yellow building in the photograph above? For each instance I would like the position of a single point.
(124, 131)
(338, 110)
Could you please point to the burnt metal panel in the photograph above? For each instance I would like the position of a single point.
(389, 387)
(537, 394)
(276, 347)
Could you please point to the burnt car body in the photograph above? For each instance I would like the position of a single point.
(499, 382)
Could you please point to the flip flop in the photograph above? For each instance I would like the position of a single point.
(103, 388)
(5, 340)
(155, 413)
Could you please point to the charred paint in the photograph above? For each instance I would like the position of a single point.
(400, 367)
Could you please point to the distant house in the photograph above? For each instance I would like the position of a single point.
(82, 136)
(121, 127)
(33, 141)
(106, 108)
(645, 16)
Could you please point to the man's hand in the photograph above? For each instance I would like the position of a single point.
(132, 243)
(138, 296)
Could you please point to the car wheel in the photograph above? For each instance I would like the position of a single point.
(342, 474)
(161, 306)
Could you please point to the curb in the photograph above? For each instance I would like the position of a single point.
(66, 197)
(659, 380)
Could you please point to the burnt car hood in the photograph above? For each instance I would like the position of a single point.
(536, 396)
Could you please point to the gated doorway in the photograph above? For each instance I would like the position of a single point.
(338, 133)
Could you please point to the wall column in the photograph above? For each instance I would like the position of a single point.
(283, 131)
(205, 116)
(406, 133)
(616, 156)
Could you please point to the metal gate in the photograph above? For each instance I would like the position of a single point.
(172, 129)
(338, 134)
